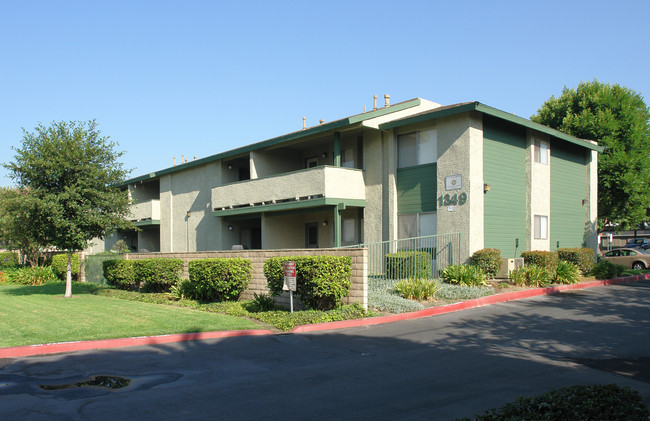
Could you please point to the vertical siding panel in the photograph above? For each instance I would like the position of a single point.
(568, 219)
(416, 189)
(504, 169)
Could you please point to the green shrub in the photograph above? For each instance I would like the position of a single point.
(489, 260)
(530, 275)
(604, 269)
(543, 259)
(261, 302)
(219, 279)
(567, 273)
(59, 264)
(408, 264)
(417, 289)
(581, 257)
(157, 275)
(321, 281)
(8, 259)
(464, 275)
(28, 275)
(586, 402)
(120, 274)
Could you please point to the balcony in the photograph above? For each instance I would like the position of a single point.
(146, 211)
(313, 187)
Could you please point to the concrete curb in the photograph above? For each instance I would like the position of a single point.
(55, 348)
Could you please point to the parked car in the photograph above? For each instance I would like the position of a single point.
(630, 258)
(637, 243)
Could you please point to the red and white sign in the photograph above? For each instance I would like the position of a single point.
(289, 276)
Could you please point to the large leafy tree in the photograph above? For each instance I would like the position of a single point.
(16, 211)
(618, 119)
(71, 173)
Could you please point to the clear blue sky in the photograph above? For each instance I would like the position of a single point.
(165, 78)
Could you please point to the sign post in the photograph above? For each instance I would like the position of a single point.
(289, 280)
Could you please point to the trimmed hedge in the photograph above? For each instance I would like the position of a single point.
(8, 259)
(120, 274)
(321, 281)
(59, 264)
(581, 257)
(408, 265)
(158, 275)
(543, 259)
(489, 260)
(218, 279)
(146, 275)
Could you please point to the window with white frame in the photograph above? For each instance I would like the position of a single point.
(541, 151)
(541, 227)
(417, 225)
(417, 148)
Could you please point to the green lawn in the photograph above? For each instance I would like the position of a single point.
(39, 314)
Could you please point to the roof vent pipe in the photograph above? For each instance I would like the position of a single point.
(304, 123)
(322, 121)
(174, 161)
(374, 106)
(387, 100)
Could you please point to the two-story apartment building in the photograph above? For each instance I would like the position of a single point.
(410, 169)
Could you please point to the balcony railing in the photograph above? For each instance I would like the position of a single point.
(149, 210)
(313, 183)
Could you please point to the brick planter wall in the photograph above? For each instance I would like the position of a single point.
(359, 279)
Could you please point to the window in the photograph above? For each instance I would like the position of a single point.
(541, 227)
(417, 148)
(541, 151)
(416, 225)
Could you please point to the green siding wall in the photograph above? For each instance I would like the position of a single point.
(568, 219)
(417, 189)
(504, 169)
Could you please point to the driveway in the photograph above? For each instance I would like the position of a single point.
(442, 367)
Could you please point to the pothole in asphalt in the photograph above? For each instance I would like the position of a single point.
(108, 382)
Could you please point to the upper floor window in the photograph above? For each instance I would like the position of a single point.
(541, 151)
(417, 148)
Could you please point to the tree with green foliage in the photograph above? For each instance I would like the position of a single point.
(618, 119)
(72, 175)
(16, 209)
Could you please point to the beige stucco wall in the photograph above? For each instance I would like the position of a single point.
(266, 163)
(592, 199)
(538, 192)
(373, 174)
(189, 191)
(288, 230)
(258, 284)
(454, 154)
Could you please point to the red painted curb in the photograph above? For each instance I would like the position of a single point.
(24, 351)
(478, 302)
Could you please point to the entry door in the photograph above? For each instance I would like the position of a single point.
(311, 235)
